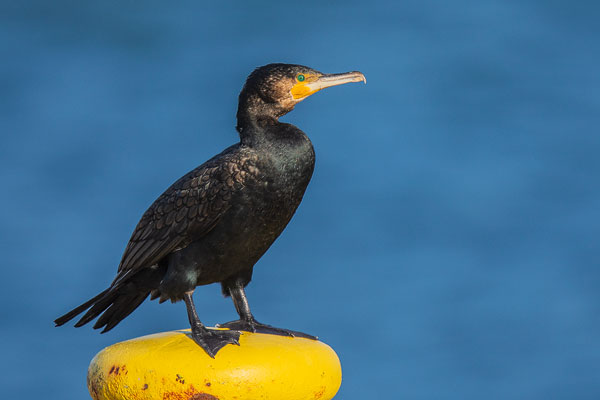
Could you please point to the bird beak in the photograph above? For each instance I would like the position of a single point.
(314, 83)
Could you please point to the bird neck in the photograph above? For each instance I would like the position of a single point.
(256, 118)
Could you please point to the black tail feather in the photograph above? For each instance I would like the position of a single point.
(117, 302)
(120, 308)
(76, 311)
(98, 308)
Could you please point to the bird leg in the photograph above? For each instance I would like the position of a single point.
(210, 340)
(247, 322)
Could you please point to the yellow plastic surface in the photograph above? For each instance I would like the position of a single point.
(171, 366)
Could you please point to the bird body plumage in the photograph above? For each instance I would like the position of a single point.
(199, 231)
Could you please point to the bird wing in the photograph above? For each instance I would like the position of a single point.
(187, 210)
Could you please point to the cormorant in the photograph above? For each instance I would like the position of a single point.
(214, 223)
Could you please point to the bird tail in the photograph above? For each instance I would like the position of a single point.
(116, 302)
(76, 311)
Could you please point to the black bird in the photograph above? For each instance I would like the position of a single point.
(214, 223)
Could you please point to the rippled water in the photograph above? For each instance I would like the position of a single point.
(447, 247)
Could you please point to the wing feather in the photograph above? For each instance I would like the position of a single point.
(187, 210)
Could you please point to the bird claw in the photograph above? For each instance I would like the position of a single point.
(212, 340)
(256, 327)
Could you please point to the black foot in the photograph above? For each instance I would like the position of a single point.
(212, 340)
(257, 327)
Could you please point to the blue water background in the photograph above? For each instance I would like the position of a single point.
(447, 246)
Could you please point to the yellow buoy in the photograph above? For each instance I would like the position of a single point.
(171, 366)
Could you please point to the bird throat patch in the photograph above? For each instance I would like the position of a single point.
(300, 90)
(304, 89)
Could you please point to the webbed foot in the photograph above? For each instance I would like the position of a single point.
(212, 340)
(256, 327)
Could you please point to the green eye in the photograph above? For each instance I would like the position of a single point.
(300, 78)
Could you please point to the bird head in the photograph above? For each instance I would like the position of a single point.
(274, 89)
